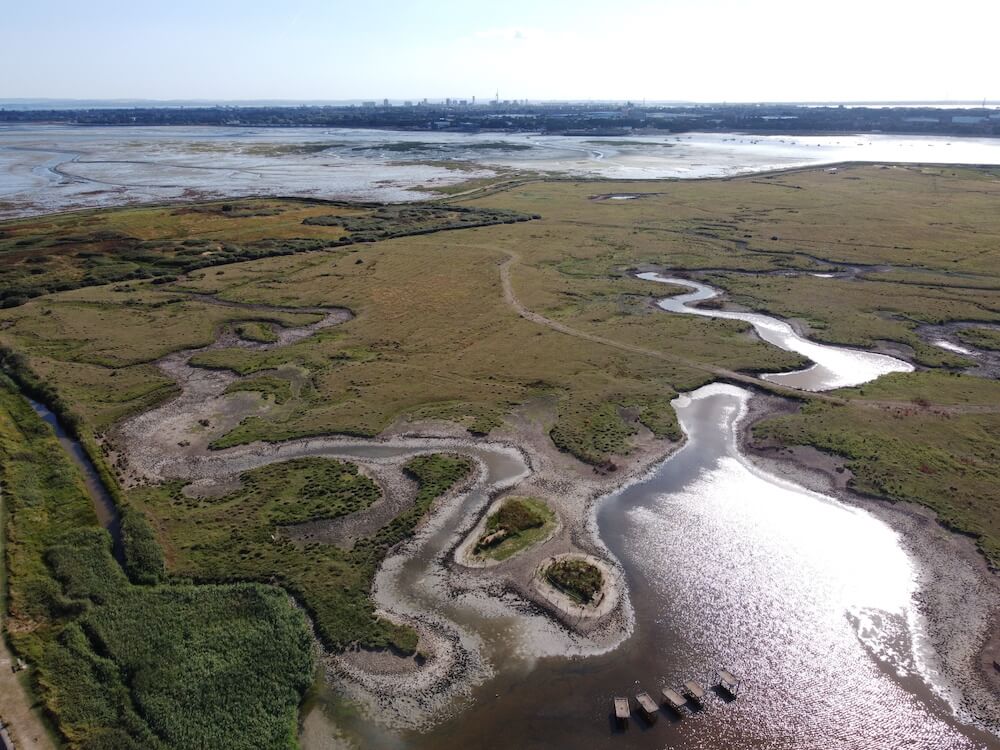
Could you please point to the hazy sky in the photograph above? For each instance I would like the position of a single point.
(703, 50)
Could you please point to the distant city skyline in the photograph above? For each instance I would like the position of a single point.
(673, 51)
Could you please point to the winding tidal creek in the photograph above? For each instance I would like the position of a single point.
(810, 600)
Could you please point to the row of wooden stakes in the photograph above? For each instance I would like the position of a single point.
(674, 699)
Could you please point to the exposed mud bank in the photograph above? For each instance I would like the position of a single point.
(420, 583)
(986, 362)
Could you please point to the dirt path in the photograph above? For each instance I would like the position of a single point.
(728, 375)
(22, 718)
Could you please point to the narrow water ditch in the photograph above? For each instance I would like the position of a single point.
(104, 503)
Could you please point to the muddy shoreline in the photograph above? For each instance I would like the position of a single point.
(166, 443)
(173, 440)
(959, 595)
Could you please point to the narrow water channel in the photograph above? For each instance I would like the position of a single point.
(833, 366)
(104, 504)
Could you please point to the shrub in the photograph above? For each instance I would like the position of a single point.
(578, 579)
(514, 516)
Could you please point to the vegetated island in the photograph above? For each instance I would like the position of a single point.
(578, 579)
(519, 523)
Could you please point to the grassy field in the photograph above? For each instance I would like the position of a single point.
(120, 665)
(42, 255)
(982, 338)
(238, 538)
(916, 437)
(434, 338)
(257, 331)
(194, 643)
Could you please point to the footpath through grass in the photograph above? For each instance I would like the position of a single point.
(121, 666)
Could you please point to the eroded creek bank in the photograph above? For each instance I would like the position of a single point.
(985, 362)
(466, 619)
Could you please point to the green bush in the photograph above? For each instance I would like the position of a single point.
(515, 515)
(144, 562)
(81, 561)
(591, 431)
(123, 666)
(210, 666)
(577, 579)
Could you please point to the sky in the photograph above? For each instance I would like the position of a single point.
(674, 50)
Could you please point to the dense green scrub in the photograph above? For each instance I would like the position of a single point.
(578, 579)
(120, 665)
(239, 537)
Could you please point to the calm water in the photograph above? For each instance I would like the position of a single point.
(104, 505)
(809, 600)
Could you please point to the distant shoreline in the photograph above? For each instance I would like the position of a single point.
(552, 118)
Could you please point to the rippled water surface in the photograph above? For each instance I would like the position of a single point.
(807, 599)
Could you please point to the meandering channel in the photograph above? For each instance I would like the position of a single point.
(833, 366)
(810, 600)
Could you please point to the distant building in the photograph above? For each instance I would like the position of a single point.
(367, 104)
(967, 119)
(385, 102)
